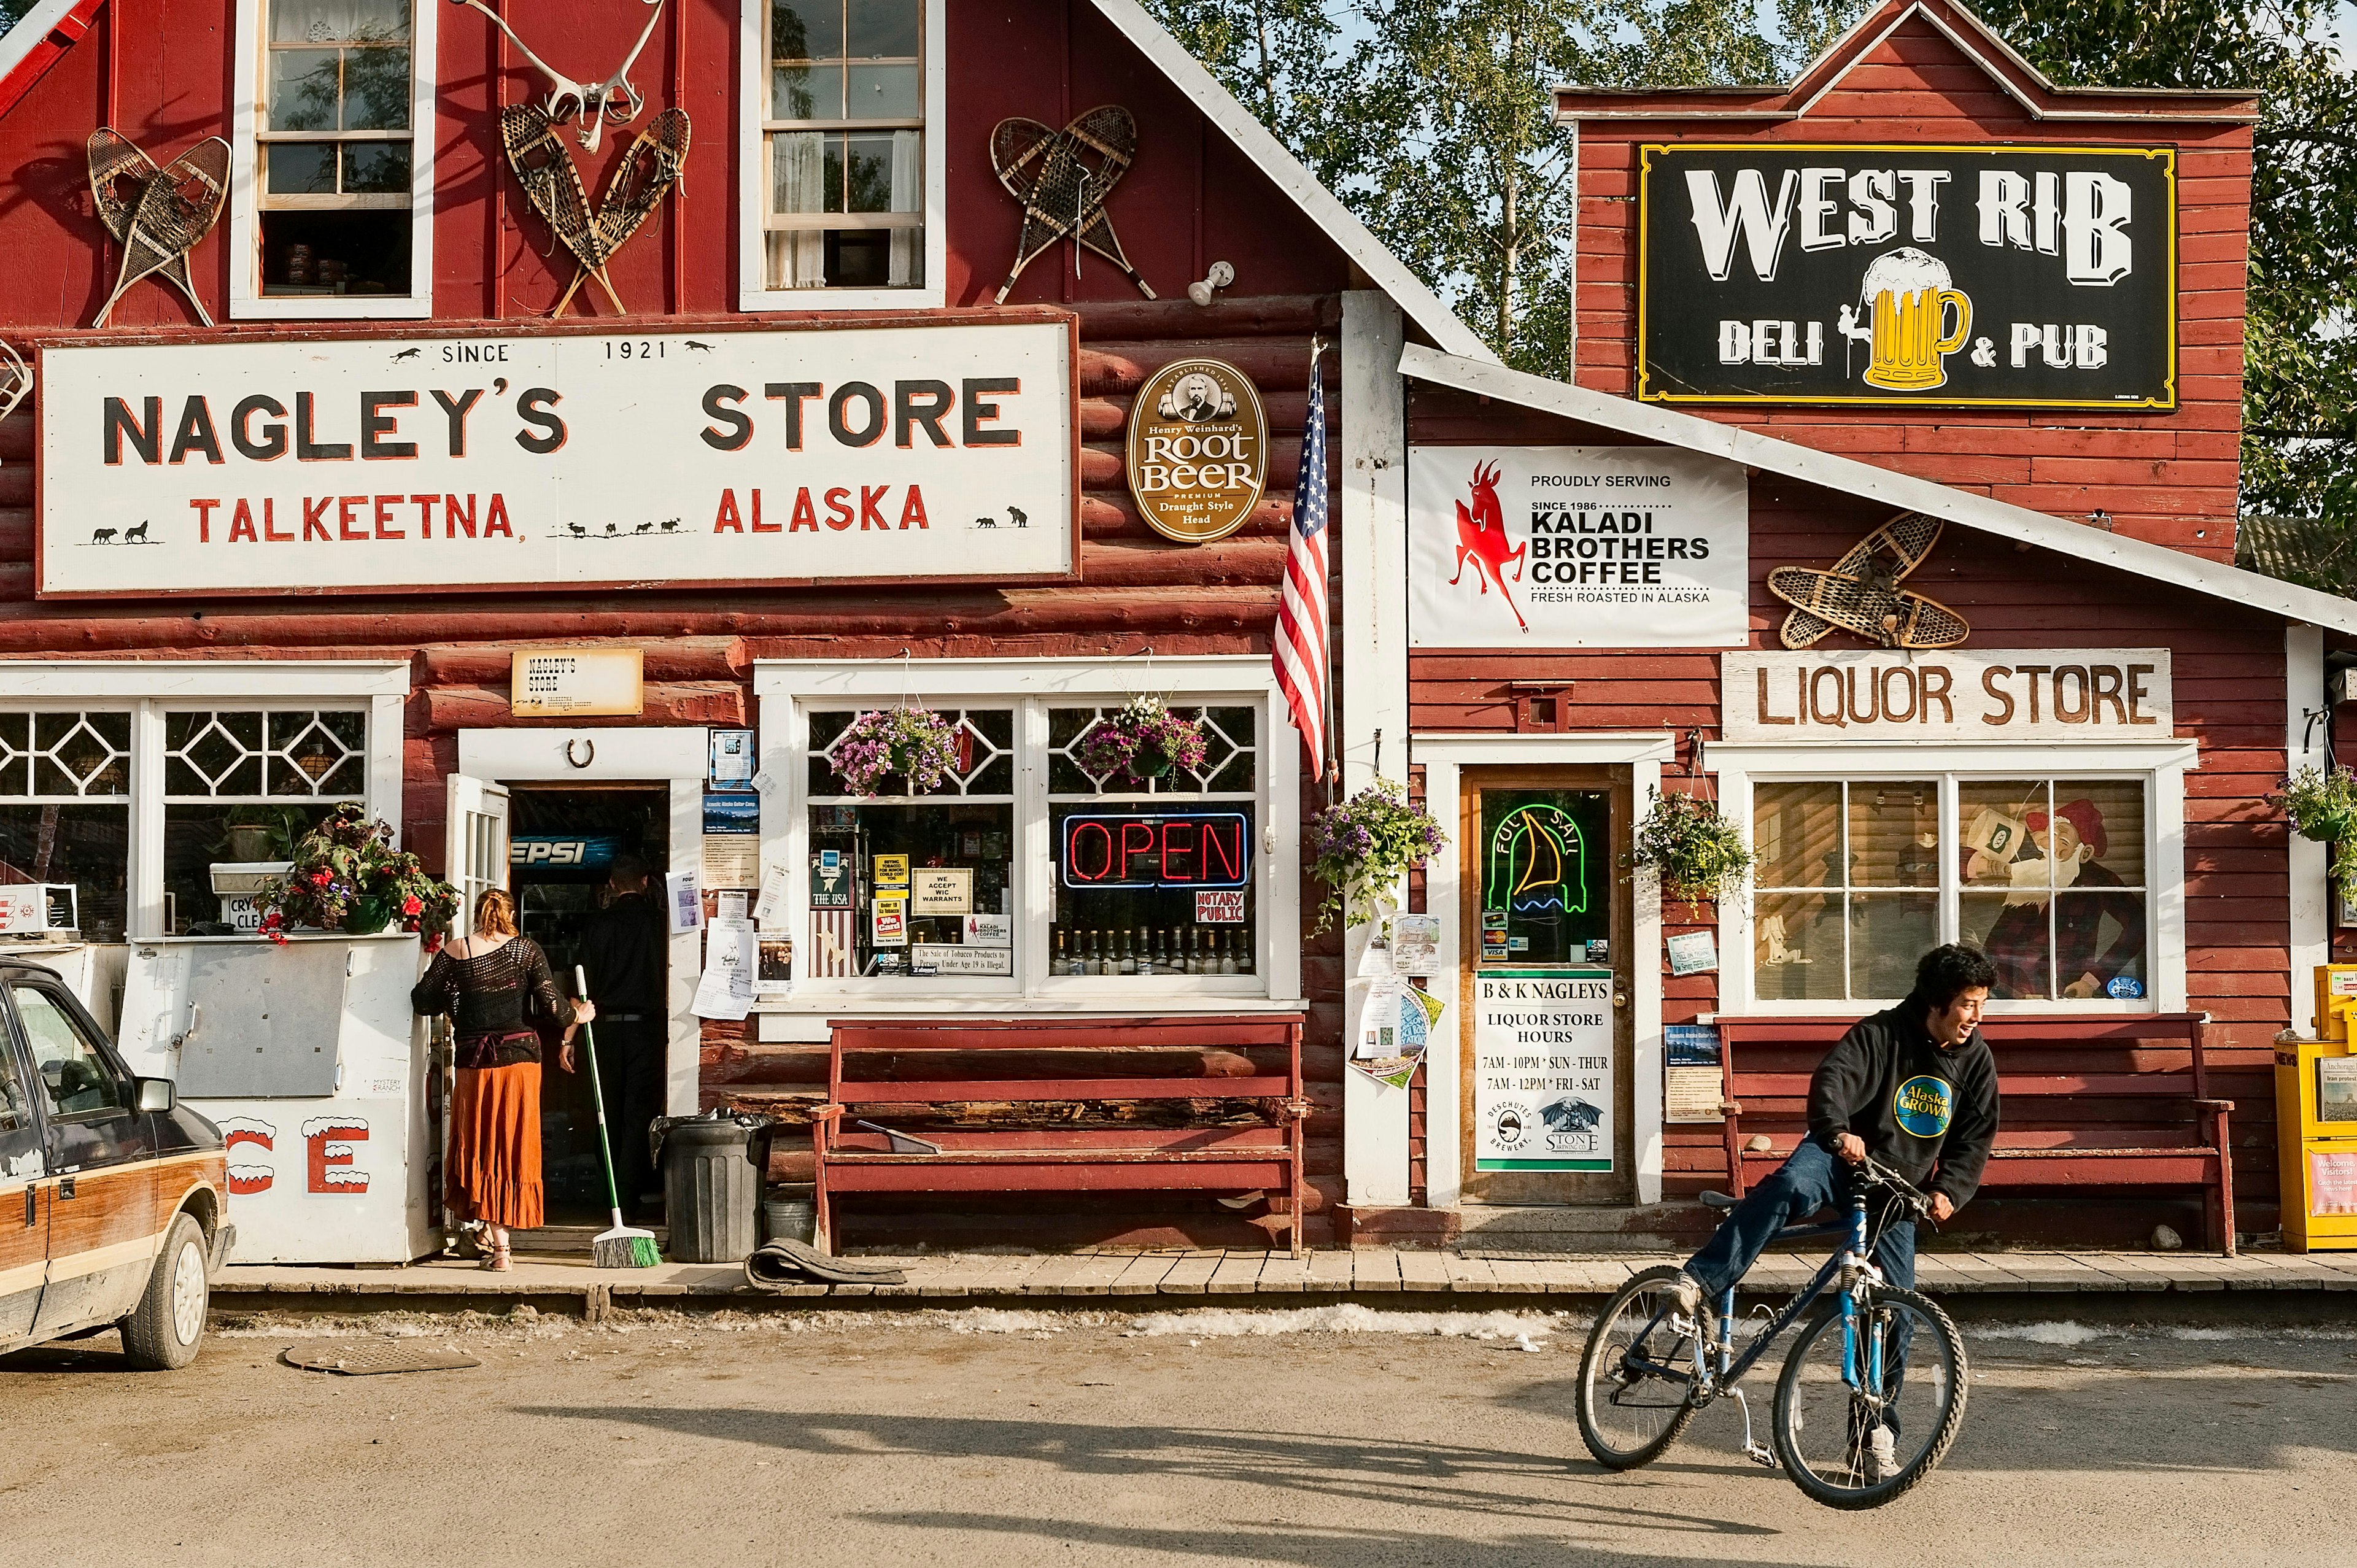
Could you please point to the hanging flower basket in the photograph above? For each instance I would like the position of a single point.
(1145, 740)
(916, 745)
(1363, 847)
(2323, 807)
(1697, 849)
(347, 876)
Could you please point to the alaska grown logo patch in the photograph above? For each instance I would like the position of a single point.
(1924, 1106)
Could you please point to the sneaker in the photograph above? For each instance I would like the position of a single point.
(1686, 1291)
(1881, 1454)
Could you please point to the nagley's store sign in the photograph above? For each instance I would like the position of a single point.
(2004, 694)
(1955, 276)
(361, 466)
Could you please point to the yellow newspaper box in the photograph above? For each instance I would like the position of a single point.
(2316, 1131)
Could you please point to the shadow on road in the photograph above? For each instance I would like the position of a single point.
(1449, 1478)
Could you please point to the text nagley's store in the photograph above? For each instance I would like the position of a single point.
(1891, 510)
(557, 522)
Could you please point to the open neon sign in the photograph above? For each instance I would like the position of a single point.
(1197, 849)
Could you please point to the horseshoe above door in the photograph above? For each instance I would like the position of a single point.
(589, 751)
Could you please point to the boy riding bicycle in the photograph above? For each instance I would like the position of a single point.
(1913, 1087)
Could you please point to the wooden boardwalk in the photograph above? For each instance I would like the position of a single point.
(1138, 1280)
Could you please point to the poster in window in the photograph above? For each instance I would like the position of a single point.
(891, 871)
(830, 885)
(889, 920)
(1543, 1069)
(942, 890)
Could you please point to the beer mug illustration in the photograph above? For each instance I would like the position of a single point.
(1905, 298)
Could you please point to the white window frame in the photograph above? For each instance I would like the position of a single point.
(246, 300)
(149, 690)
(790, 690)
(2159, 764)
(753, 180)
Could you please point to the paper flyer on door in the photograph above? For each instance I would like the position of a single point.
(1543, 1071)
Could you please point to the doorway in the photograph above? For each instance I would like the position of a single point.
(1547, 1075)
(563, 839)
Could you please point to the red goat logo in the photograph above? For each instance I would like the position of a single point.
(1482, 533)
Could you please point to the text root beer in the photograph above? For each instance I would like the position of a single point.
(1198, 453)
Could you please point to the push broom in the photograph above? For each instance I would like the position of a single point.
(621, 1247)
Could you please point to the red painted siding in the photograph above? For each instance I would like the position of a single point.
(2228, 672)
(2164, 476)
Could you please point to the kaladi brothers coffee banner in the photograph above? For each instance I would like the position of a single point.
(940, 453)
(1576, 547)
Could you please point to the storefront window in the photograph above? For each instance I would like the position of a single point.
(2054, 885)
(1156, 878)
(846, 143)
(2048, 877)
(240, 786)
(916, 887)
(65, 786)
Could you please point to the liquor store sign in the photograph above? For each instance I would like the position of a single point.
(2014, 695)
(940, 454)
(1954, 276)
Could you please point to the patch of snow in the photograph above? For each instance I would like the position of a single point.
(1349, 1318)
(2038, 1333)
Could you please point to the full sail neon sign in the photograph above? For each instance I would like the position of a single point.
(1538, 864)
(1187, 849)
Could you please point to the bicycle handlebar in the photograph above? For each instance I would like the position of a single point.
(1882, 1174)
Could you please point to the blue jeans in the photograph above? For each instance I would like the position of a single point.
(1811, 1180)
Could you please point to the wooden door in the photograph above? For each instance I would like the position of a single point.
(1548, 1049)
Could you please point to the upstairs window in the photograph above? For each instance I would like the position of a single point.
(843, 160)
(334, 164)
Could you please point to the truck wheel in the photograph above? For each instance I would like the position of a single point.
(162, 1333)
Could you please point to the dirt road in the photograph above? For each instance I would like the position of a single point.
(1028, 1438)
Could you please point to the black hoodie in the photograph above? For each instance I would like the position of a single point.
(1915, 1104)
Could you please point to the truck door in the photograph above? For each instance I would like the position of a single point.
(104, 1228)
(24, 1197)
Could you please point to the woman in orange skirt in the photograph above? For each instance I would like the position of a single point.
(495, 985)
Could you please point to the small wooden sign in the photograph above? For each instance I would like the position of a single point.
(577, 683)
(1198, 453)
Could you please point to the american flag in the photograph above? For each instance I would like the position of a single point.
(1300, 651)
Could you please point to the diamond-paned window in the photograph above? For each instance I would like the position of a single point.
(1229, 748)
(312, 753)
(986, 745)
(64, 755)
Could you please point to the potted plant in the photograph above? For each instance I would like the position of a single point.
(912, 744)
(2323, 806)
(346, 876)
(1145, 740)
(1361, 848)
(1697, 850)
(251, 833)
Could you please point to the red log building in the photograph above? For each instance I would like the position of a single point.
(194, 650)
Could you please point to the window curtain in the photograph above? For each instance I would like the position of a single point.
(907, 263)
(338, 21)
(798, 182)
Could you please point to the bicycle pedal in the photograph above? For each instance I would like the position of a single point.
(1761, 1455)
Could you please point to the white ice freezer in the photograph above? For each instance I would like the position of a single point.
(310, 1060)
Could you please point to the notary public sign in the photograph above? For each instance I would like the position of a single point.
(937, 453)
(1958, 276)
(1986, 694)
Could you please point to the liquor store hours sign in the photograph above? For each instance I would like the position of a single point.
(1958, 276)
(940, 454)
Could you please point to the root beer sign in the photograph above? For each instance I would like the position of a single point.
(368, 464)
(1955, 276)
(1198, 453)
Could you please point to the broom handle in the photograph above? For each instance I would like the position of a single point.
(598, 1093)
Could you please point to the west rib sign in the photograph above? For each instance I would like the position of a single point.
(2022, 276)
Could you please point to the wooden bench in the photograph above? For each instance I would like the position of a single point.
(2082, 1102)
(961, 1085)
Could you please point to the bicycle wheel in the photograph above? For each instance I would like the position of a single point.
(1824, 1429)
(1628, 1414)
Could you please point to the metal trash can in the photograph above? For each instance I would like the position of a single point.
(790, 1213)
(712, 1191)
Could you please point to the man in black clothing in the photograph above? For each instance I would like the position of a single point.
(1913, 1085)
(624, 952)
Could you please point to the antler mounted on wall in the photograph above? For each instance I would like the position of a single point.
(613, 101)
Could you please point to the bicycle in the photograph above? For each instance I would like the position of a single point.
(1648, 1368)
